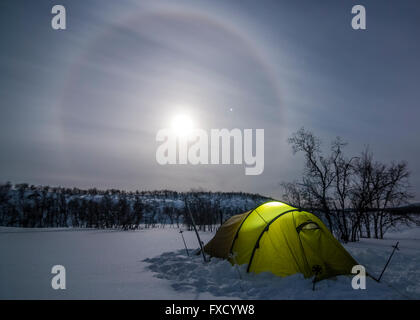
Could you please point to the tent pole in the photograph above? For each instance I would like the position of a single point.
(313, 283)
(317, 269)
(186, 249)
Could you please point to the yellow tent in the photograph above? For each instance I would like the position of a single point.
(281, 239)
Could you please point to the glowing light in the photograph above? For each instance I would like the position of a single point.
(182, 125)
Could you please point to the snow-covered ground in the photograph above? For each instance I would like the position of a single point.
(152, 264)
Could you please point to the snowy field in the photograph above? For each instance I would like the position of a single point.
(152, 264)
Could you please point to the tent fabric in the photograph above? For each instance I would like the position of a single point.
(221, 244)
(276, 237)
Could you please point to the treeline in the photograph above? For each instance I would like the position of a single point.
(30, 206)
(357, 196)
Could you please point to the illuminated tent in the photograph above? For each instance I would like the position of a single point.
(281, 239)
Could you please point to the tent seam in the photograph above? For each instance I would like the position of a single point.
(301, 245)
(262, 233)
(240, 226)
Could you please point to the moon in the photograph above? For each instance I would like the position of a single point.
(182, 124)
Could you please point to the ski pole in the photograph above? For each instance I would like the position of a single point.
(196, 232)
(186, 249)
(389, 259)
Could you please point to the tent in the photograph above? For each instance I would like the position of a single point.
(281, 239)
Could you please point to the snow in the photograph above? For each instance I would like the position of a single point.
(153, 264)
(99, 264)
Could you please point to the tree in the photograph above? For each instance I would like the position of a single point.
(353, 194)
(318, 174)
(378, 188)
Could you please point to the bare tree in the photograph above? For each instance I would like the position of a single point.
(356, 195)
(343, 171)
(319, 173)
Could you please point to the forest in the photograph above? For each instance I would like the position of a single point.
(30, 206)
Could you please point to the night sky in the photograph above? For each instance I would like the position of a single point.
(82, 106)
